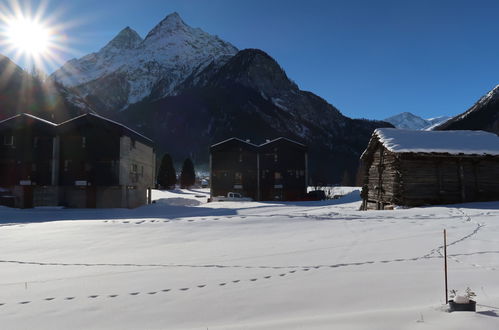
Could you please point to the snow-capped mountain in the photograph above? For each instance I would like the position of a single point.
(483, 115)
(187, 89)
(129, 68)
(250, 96)
(408, 120)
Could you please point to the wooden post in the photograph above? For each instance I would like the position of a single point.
(445, 267)
(149, 195)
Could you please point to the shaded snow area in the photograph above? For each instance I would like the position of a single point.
(182, 263)
(452, 142)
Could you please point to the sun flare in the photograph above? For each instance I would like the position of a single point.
(28, 36)
(34, 36)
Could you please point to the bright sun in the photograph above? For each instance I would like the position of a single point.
(33, 36)
(28, 36)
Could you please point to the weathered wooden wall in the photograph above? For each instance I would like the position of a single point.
(415, 179)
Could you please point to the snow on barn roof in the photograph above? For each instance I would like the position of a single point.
(451, 142)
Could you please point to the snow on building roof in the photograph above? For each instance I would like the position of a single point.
(284, 139)
(451, 142)
(234, 139)
(126, 128)
(29, 116)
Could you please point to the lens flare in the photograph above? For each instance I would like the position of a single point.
(31, 36)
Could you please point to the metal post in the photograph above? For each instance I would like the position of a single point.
(445, 267)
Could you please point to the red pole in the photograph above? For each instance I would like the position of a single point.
(445, 266)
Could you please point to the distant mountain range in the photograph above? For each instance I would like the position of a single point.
(187, 89)
(408, 120)
(483, 115)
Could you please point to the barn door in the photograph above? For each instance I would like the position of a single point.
(381, 168)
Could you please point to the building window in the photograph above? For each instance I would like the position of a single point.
(83, 142)
(238, 178)
(132, 144)
(276, 158)
(67, 164)
(133, 168)
(8, 140)
(35, 142)
(240, 157)
(142, 170)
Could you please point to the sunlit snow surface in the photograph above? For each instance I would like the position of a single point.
(183, 263)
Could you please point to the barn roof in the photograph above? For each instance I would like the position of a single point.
(450, 142)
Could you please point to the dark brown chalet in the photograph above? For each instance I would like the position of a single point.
(275, 170)
(26, 158)
(283, 170)
(413, 168)
(104, 163)
(233, 164)
(88, 161)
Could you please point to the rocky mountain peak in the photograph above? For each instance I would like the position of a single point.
(172, 23)
(260, 70)
(125, 39)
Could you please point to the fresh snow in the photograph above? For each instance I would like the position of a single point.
(452, 142)
(182, 263)
(172, 49)
(407, 120)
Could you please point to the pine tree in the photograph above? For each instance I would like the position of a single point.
(167, 177)
(187, 176)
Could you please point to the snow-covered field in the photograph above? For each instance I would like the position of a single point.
(184, 264)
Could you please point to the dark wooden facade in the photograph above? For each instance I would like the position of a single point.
(283, 170)
(425, 178)
(89, 151)
(276, 170)
(88, 161)
(26, 146)
(234, 168)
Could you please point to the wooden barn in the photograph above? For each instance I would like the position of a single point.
(275, 170)
(104, 163)
(414, 168)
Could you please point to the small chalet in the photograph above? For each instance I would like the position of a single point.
(104, 163)
(413, 168)
(88, 161)
(275, 170)
(26, 159)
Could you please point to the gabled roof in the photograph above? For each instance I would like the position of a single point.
(124, 129)
(282, 139)
(449, 142)
(252, 145)
(246, 143)
(27, 115)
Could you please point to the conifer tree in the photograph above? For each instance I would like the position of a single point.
(167, 178)
(187, 176)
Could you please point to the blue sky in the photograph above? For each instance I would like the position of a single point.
(370, 59)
